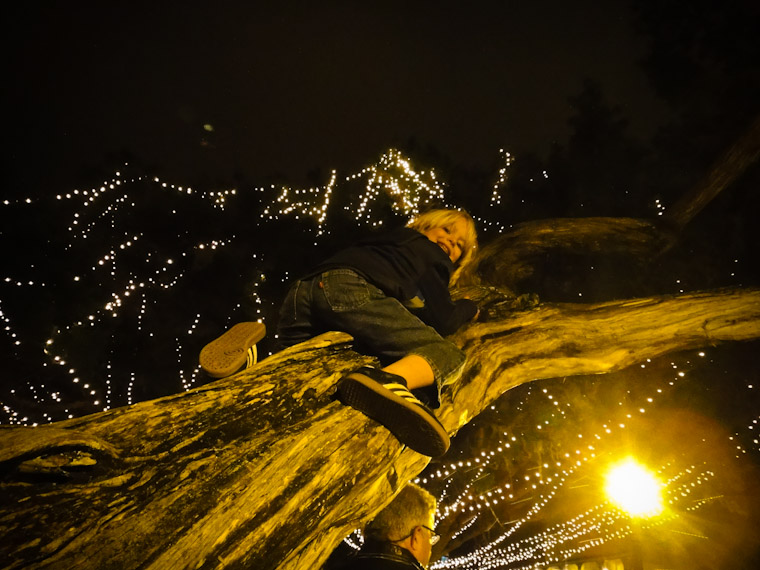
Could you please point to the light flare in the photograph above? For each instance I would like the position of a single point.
(634, 489)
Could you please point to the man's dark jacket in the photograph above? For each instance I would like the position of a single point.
(382, 556)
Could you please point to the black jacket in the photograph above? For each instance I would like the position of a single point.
(382, 556)
(409, 267)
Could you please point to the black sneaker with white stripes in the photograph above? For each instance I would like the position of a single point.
(385, 398)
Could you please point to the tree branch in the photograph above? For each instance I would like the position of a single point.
(264, 470)
(728, 168)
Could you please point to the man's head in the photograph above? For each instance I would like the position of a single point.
(407, 521)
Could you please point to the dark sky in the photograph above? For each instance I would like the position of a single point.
(291, 86)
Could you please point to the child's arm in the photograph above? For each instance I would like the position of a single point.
(440, 312)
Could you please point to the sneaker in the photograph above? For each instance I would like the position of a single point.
(233, 351)
(385, 398)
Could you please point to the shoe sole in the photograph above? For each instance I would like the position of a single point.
(410, 423)
(227, 354)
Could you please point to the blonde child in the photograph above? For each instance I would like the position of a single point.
(391, 293)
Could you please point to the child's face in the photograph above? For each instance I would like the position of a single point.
(449, 238)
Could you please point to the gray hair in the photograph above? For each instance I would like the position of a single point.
(413, 506)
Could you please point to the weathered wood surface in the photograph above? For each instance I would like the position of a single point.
(513, 256)
(263, 470)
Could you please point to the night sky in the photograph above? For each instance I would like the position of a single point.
(213, 91)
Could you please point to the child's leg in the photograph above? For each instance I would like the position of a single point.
(418, 358)
(383, 327)
(414, 369)
(385, 398)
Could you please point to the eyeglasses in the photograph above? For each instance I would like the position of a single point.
(434, 536)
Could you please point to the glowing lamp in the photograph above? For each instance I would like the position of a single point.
(634, 489)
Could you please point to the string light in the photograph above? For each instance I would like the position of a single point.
(503, 176)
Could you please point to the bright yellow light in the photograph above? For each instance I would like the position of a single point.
(633, 488)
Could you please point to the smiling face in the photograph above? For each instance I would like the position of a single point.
(450, 238)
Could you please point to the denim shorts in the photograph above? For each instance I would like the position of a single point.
(342, 300)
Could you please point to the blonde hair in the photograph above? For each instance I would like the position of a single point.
(442, 218)
(412, 507)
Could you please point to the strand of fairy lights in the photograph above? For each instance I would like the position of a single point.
(394, 176)
(187, 383)
(502, 177)
(465, 527)
(551, 538)
(481, 557)
(109, 262)
(486, 226)
(8, 327)
(751, 427)
(303, 204)
(219, 197)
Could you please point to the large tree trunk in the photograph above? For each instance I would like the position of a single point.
(264, 470)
